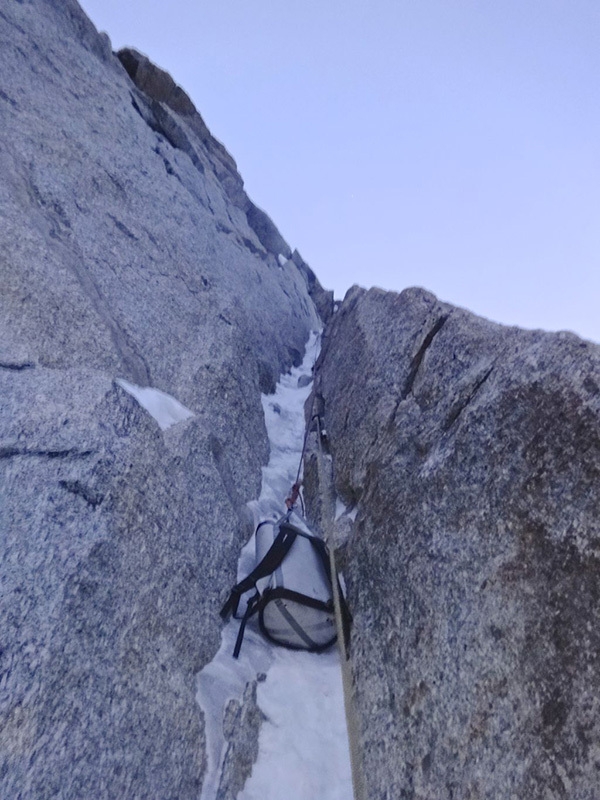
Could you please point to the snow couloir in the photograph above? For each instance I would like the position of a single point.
(303, 745)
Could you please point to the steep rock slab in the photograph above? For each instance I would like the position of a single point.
(322, 298)
(159, 90)
(113, 535)
(122, 249)
(122, 254)
(473, 567)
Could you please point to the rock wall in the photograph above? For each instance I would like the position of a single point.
(128, 249)
(472, 453)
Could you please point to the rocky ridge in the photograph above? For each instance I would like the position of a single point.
(128, 250)
(471, 453)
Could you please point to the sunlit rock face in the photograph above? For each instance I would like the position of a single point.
(125, 252)
(473, 566)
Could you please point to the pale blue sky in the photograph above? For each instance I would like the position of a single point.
(448, 144)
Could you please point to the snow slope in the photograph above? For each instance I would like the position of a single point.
(303, 746)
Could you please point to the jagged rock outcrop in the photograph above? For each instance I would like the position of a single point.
(322, 298)
(159, 94)
(127, 250)
(473, 566)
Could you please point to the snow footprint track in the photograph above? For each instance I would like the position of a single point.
(302, 743)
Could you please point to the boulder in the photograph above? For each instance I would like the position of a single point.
(472, 451)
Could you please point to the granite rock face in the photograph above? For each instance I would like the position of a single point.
(322, 298)
(159, 90)
(472, 452)
(125, 252)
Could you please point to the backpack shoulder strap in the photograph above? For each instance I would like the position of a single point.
(272, 560)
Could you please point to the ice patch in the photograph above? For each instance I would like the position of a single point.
(282, 260)
(165, 409)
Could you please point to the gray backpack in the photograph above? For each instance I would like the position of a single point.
(293, 594)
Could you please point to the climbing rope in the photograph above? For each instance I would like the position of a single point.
(358, 782)
(294, 494)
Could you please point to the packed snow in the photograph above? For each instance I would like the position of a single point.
(341, 510)
(165, 409)
(303, 744)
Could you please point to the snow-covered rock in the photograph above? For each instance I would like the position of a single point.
(166, 410)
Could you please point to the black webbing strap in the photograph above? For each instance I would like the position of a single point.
(272, 560)
(275, 595)
(251, 609)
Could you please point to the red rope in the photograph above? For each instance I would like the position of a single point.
(292, 499)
